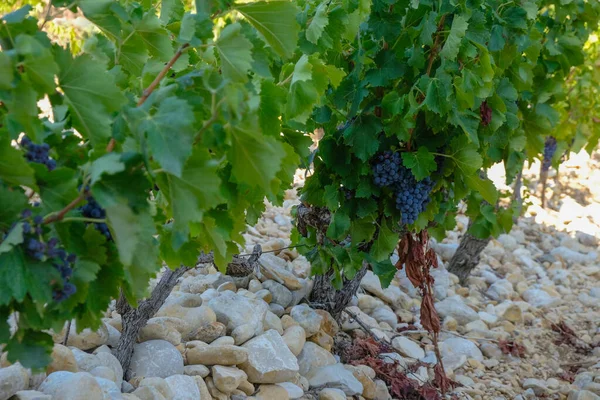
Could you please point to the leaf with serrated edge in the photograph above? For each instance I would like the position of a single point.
(276, 21)
(235, 52)
(421, 163)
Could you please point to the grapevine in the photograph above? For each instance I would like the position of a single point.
(38, 153)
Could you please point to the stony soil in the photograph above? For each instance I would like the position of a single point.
(525, 326)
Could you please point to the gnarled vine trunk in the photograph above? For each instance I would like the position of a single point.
(323, 294)
(467, 256)
(134, 319)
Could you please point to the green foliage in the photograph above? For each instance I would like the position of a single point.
(180, 159)
(421, 78)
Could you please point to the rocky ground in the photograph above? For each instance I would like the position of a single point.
(525, 326)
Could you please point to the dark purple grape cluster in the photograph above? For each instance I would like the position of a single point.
(93, 210)
(386, 170)
(50, 251)
(412, 196)
(38, 153)
(549, 150)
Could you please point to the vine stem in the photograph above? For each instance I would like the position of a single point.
(148, 91)
(84, 219)
(58, 216)
(434, 49)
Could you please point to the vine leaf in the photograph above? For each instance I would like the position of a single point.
(235, 52)
(108, 164)
(385, 243)
(32, 349)
(255, 159)
(436, 97)
(303, 93)
(14, 237)
(91, 94)
(13, 167)
(421, 163)
(317, 25)
(276, 21)
(6, 71)
(457, 32)
(170, 133)
(38, 62)
(485, 187)
(272, 98)
(339, 226)
(199, 188)
(362, 136)
(12, 276)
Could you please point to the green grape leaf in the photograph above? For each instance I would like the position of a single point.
(362, 136)
(14, 238)
(272, 99)
(339, 226)
(91, 94)
(318, 23)
(421, 163)
(276, 22)
(38, 62)
(485, 187)
(85, 271)
(12, 276)
(385, 270)
(457, 33)
(107, 164)
(12, 202)
(362, 230)
(170, 133)
(436, 98)
(171, 9)
(235, 52)
(198, 189)
(6, 71)
(255, 159)
(30, 348)
(57, 188)
(385, 243)
(465, 156)
(429, 28)
(331, 196)
(13, 167)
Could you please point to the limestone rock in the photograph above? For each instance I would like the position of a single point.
(156, 358)
(31, 395)
(539, 386)
(193, 316)
(308, 318)
(312, 357)
(184, 387)
(84, 340)
(148, 393)
(64, 385)
(329, 325)
(217, 354)
(540, 298)
(196, 370)
(12, 380)
(273, 267)
(281, 294)
(500, 290)
(227, 379)
(208, 333)
(454, 307)
(336, 376)
(408, 348)
(332, 394)
(272, 321)
(269, 359)
(271, 392)
(243, 333)
(459, 346)
(294, 337)
(62, 360)
(160, 384)
(293, 391)
(163, 328)
(235, 310)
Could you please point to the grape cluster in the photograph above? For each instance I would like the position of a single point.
(386, 170)
(411, 196)
(50, 251)
(549, 150)
(93, 210)
(38, 153)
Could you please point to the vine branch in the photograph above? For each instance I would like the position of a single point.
(61, 214)
(148, 91)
